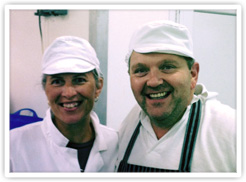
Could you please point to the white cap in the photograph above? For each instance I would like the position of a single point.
(69, 54)
(162, 37)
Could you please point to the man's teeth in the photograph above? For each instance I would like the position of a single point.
(70, 105)
(158, 95)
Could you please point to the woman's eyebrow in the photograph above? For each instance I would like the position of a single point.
(79, 74)
(56, 76)
(74, 76)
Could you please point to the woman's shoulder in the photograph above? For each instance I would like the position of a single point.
(108, 131)
(26, 132)
(100, 128)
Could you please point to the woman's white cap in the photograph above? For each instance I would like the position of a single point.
(69, 54)
(162, 37)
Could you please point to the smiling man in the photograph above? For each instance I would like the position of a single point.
(180, 126)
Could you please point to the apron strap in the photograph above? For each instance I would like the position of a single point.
(131, 143)
(190, 137)
(123, 166)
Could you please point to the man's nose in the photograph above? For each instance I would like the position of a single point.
(155, 79)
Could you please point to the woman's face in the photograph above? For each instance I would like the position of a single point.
(71, 96)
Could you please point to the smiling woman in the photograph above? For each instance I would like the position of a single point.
(70, 138)
(71, 95)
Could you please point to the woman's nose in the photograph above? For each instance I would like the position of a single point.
(155, 79)
(68, 91)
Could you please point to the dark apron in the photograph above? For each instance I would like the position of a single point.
(187, 149)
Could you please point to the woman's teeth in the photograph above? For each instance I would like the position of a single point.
(71, 105)
(158, 95)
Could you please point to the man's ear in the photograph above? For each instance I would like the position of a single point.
(194, 74)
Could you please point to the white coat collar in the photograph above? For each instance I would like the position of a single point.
(99, 137)
(147, 124)
(95, 161)
(57, 137)
(200, 93)
(52, 132)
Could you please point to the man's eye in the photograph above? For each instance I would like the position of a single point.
(56, 82)
(167, 68)
(140, 71)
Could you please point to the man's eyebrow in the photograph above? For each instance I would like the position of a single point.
(138, 65)
(170, 61)
(164, 61)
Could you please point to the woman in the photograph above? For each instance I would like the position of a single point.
(70, 138)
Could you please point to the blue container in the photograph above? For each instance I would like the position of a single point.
(18, 120)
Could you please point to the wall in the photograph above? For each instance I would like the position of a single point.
(122, 23)
(99, 40)
(25, 65)
(214, 37)
(215, 49)
(26, 52)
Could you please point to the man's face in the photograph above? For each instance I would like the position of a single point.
(163, 85)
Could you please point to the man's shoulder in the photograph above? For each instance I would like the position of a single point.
(218, 110)
(219, 120)
(131, 120)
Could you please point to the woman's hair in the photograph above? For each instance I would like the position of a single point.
(96, 76)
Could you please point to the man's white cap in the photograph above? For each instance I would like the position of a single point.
(69, 54)
(162, 37)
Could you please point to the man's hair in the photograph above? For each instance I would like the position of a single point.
(190, 61)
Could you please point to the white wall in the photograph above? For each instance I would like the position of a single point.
(214, 37)
(25, 65)
(26, 52)
(122, 23)
(215, 49)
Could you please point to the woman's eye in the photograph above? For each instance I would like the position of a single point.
(80, 80)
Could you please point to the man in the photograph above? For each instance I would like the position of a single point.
(181, 127)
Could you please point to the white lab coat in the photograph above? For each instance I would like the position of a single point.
(215, 148)
(40, 147)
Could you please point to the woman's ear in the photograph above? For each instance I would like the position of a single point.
(194, 74)
(99, 87)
